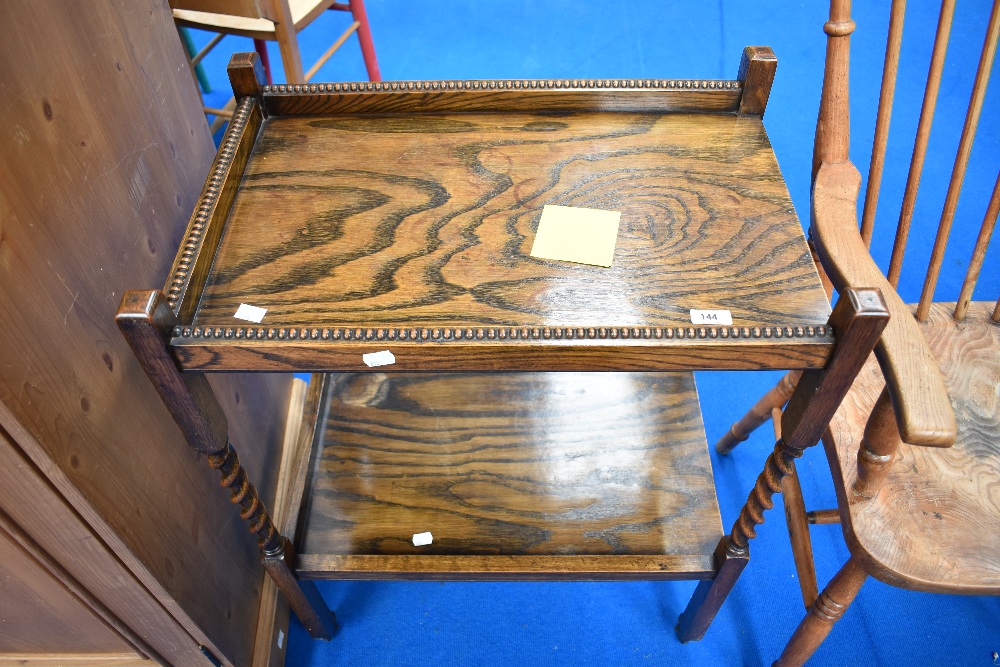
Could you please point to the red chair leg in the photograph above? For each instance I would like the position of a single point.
(260, 46)
(365, 37)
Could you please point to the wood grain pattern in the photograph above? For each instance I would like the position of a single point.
(521, 465)
(104, 169)
(696, 353)
(919, 397)
(428, 221)
(935, 523)
(38, 614)
(509, 96)
(757, 69)
(195, 255)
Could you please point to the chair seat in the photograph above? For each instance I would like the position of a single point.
(935, 524)
(303, 13)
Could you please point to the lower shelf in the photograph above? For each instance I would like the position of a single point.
(517, 476)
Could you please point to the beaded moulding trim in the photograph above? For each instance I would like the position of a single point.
(507, 84)
(207, 201)
(450, 334)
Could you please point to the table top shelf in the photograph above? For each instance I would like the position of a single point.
(365, 225)
(533, 475)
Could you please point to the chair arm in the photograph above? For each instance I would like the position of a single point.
(919, 396)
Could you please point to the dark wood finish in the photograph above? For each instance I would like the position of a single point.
(709, 595)
(407, 213)
(384, 273)
(505, 96)
(757, 70)
(302, 596)
(859, 318)
(931, 527)
(797, 524)
(187, 275)
(824, 612)
(144, 318)
(246, 75)
(516, 468)
(700, 348)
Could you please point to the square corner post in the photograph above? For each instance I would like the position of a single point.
(857, 320)
(146, 320)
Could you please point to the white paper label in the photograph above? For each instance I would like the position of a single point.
(281, 638)
(383, 358)
(422, 539)
(250, 313)
(711, 317)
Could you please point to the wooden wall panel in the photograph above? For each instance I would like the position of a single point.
(38, 616)
(103, 151)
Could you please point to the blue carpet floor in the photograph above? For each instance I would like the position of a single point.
(632, 623)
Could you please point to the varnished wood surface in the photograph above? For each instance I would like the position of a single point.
(919, 397)
(544, 474)
(935, 523)
(426, 222)
(510, 96)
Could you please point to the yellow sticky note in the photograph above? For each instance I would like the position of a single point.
(581, 235)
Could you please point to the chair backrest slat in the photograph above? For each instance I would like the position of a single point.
(979, 253)
(961, 160)
(920, 144)
(884, 115)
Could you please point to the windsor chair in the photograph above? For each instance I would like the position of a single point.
(915, 447)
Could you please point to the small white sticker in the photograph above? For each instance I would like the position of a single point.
(250, 313)
(281, 638)
(383, 358)
(711, 317)
(422, 539)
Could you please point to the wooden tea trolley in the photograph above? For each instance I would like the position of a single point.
(541, 419)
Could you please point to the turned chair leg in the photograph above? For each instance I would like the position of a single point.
(859, 318)
(824, 612)
(878, 447)
(798, 525)
(759, 413)
(145, 320)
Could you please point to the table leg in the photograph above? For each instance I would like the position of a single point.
(146, 320)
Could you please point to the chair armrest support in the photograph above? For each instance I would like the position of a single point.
(919, 396)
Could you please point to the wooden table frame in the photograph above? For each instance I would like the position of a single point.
(176, 349)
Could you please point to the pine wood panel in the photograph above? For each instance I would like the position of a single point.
(567, 465)
(935, 523)
(104, 154)
(38, 615)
